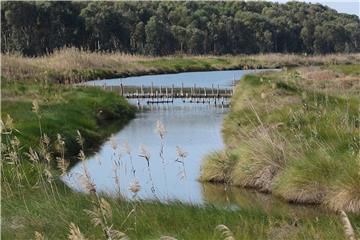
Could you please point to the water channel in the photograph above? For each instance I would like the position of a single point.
(191, 128)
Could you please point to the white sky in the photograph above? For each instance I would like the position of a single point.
(343, 6)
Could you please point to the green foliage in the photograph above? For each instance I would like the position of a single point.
(161, 28)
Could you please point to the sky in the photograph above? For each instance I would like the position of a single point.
(342, 6)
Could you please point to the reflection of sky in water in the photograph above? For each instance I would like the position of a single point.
(196, 128)
(201, 79)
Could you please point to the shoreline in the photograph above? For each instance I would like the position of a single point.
(261, 152)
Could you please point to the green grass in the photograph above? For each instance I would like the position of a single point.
(33, 201)
(64, 109)
(294, 139)
(151, 220)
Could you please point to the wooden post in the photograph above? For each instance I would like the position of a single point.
(172, 90)
(182, 89)
(122, 89)
(152, 89)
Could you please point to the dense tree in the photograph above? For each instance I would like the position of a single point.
(160, 28)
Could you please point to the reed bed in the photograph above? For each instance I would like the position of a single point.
(70, 65)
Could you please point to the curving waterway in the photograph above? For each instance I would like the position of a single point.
(171, 173)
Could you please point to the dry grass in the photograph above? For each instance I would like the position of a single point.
(329, 81)
(73, 65)
(262, 156)
(294, 138)
(346, 194)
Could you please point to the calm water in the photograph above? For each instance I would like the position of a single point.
(224, 79)
(195, 128)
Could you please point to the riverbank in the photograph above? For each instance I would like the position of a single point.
(36, 202)
(294, 134)
(53, 109)
(72, 65)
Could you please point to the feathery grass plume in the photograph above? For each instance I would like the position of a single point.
(45, 140)
(145, 154)
(35, 106)
(45, 145)
(114, 143)
(116, 176)
(116, 234)
(81, 156)
(86, 183)
(60, 144)
(135, 188)
(181, 153)
(106, 208)
(225, 232)
(127, 149)
(160, 129)
(100, 216)
(181, 157)
(349, 231)
(48, 175)
(33, 156)
(12, 157)
(39, 236)
(74, 233)
(8, 125)
(79, 139)
(62, 165)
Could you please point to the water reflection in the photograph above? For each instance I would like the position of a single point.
(235, 198)
(195, 128)
(138, 154)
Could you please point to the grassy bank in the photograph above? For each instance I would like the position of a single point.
(295, 134)
(36, 204)
(51, 109)
(71, 65)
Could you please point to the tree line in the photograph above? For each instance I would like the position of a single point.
(162, 28)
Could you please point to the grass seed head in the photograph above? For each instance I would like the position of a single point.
(225, 232)
(135, 187)
(74, 233)
(144, 153)
(39, 236)
(181, 152)
(35, 106)
(160, 129)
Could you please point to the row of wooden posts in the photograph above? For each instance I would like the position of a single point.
(165, 92)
